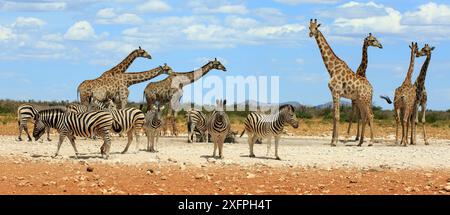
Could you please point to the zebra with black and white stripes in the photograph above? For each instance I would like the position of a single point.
(152, 127)
(25, 114)
(259, 125)
(196, 122)
(94, 104)
(70, 125)
(219, 126)
(126, 120)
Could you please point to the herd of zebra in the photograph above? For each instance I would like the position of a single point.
(100, 119)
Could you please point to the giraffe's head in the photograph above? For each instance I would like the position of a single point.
(166, 69)
(425, 51)
(372, 41)
(313, 28)
(414, 48)
(142, 53)
(215, 64)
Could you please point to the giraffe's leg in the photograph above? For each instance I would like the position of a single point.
(424, 109)
(358, 120)
(251, 142)
(405, 126)
(277, 141)
(363, 117)
(352, 113)
(48, 134)
(336, 119)
(397, 124)
(174, 123)
(61, 139)
(72, 141)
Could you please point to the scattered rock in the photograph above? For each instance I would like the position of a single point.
(199, 176)
(447, 188)
(163, 178)
(250, 175)
(90, 169)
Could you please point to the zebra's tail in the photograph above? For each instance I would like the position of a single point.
(388, 100)
(242, 133)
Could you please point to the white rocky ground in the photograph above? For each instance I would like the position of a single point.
(294, 151)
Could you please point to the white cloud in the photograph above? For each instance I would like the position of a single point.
(239, 22)
(81, 30)
(352, 10)
(270, 15)
(154, 6)
(276, 31)
(33, 6)
(296, 2)
(106, 13)
(28, 22)
(428, 14)
(115, 46)
(126, 18)
(214, 7)
(6, 34)
(53, 37)
(49, 45)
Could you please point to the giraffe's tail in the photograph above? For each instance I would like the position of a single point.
(388, 100)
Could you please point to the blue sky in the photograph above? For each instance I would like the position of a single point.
(49, 47)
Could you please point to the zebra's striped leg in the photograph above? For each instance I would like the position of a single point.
(215, 147)
(61, 139)
(72, 141)
(156, 139)
(251, 142)
(20, 132)
(107, 142)
(207, 136)
(48, 134)
(130, 138)
(137, 138)
(152, 148)
(277, 140)
(28, 134)
(149, 136)
(269, 145)
(220, 143)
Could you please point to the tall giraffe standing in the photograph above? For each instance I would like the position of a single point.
(405, 96)
(170, 90)
(344, 83)
(124, 80)
(103, 83)
(368, 41)
(421, 94)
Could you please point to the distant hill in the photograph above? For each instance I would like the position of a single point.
(330, 105)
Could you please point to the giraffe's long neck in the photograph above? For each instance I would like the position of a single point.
(328, 56)
(123, 66)
(132, 78)
(407, 80)
(420, 81)
(363, 66)
(195, 75)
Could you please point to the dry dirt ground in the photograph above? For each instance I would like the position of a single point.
(308, 166)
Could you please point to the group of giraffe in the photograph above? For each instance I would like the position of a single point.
(355, 86)
(113, 84)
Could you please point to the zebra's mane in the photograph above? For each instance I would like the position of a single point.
(291, 107)
(60, 108)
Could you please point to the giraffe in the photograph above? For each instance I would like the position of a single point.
(404, 98)
(119, 91)
(421, 94)
(344, 83)
(169, 90)
(86, 87)
(368, 41)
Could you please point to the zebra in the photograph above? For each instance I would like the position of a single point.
(94, 104)
(196, 122)
(127, 120)
(71, 124)
(26, 113)
(152, 127)
(219, 126)
(260, 125)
